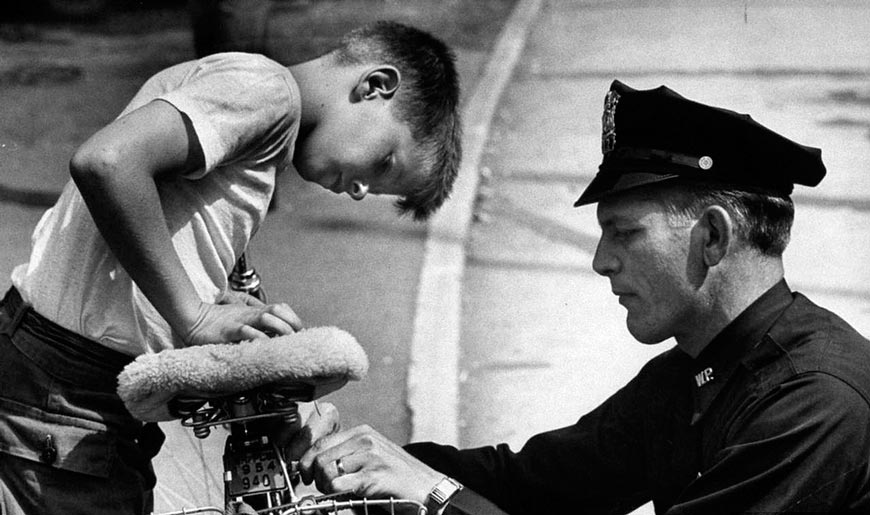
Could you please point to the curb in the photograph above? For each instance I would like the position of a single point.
(433, 375)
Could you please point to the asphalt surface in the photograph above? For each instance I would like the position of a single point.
(532, 339)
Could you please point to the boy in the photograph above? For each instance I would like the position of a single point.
(134, 256)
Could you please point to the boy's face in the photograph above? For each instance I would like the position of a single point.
(360, 149)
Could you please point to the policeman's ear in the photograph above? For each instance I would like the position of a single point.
(381, 81)
(716, 234)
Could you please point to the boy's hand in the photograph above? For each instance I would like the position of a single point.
(238, 317)
(362, 461)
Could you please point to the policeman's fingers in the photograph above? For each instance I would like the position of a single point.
(323, 420)
(354, 475)
(327, 449)
(338, 462)
(377, 469)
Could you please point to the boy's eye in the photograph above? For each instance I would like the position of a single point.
(386, 164)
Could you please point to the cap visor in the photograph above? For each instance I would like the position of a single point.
(605, 185)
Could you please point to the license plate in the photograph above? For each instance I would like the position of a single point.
(256, 473)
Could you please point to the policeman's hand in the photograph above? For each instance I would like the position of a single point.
(363, 461)
(322, 420)
(239, 316)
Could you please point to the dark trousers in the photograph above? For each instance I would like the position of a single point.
(67, 443)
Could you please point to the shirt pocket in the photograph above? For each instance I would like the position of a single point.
(68, 443)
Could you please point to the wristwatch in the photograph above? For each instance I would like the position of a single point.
(441, 494)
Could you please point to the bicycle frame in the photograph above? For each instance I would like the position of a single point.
(257, 475)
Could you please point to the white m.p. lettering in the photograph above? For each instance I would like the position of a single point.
(703, 377)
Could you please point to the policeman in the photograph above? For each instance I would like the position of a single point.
(763, 406)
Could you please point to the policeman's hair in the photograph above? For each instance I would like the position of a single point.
(761, 220)
(427, 101)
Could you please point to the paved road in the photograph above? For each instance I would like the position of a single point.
(542, 338)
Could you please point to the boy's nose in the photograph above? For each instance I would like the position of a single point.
(358, 190)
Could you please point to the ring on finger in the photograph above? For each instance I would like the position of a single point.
(340, 467)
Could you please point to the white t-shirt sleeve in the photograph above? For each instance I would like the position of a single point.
(241, 108)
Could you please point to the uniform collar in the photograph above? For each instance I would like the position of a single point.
(718, 361)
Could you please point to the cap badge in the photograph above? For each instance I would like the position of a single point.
(608, 122)
(705, 163)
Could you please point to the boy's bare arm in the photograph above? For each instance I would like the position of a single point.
(115, 171)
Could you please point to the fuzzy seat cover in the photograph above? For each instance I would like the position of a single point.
(319, 355)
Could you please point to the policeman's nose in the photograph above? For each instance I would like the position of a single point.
(604, 262)
(358, 190)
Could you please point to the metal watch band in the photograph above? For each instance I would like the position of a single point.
(443, 492)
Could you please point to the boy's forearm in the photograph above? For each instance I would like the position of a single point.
(115, 171)
(126, 209)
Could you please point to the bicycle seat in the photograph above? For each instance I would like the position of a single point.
(323, 358)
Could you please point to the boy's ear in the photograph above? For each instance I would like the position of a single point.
(380, 81)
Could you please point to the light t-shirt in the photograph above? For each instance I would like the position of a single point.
(245, 110)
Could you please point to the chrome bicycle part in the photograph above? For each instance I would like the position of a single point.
(245, 279)
(323, 504)
(333, 503)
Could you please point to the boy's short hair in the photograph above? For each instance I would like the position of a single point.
(427, 101)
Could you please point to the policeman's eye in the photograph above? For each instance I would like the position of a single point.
(624, 234)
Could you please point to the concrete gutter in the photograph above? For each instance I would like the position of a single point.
(433, 376)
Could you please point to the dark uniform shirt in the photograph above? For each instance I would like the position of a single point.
(772, 417)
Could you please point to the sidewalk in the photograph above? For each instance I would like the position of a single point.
(541, 338)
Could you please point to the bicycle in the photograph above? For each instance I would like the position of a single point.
(211, 385)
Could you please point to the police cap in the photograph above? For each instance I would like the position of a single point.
(656, 135)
